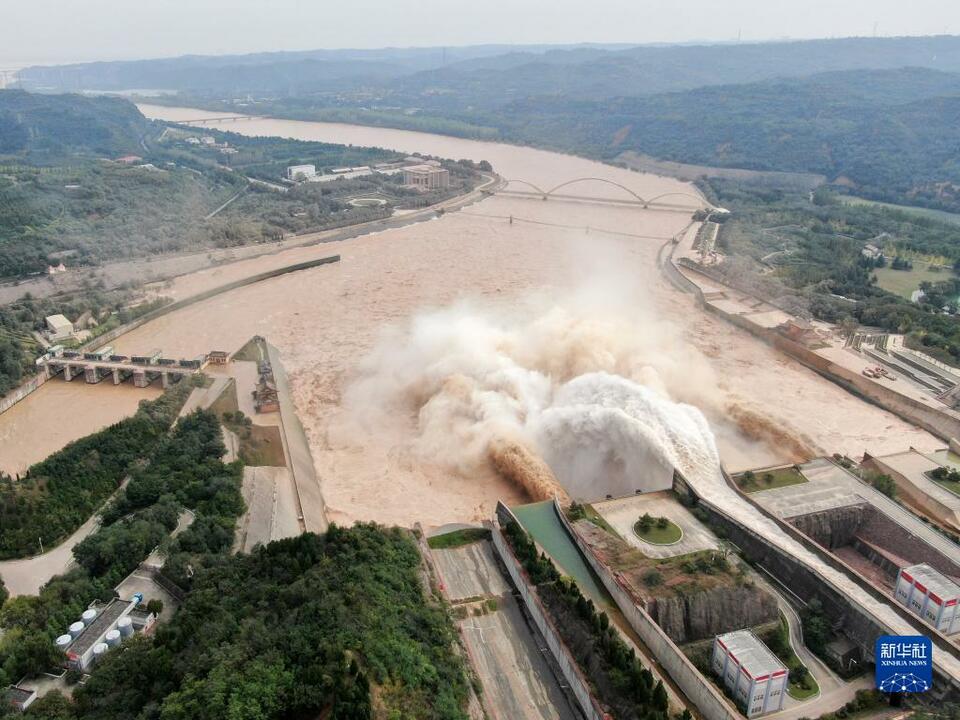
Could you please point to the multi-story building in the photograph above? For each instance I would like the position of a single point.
(754, 675)
(301, 172)
(931, 595)
(426, 177)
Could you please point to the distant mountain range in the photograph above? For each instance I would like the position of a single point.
(477, 72)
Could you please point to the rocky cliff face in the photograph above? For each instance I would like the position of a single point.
(835, 527)
(702, 615)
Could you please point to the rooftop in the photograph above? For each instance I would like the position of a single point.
(424, 169)
(934, 581)
(58, 321)
(106, 619)
(751, 653)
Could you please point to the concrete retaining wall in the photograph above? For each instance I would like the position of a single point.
(206, 295)
(579, 686)
(698, 689)
(804, 582)
(19, 393)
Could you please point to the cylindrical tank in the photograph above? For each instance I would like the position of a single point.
(113, 638)
(76, 629)
(63, 641)
(88, 616)
(125, 626)
(98, 650)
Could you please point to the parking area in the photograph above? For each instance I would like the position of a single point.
(622, 513)
(511, 660)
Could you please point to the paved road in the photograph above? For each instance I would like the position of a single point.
(834, 691)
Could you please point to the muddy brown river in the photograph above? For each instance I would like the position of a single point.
(328, 321)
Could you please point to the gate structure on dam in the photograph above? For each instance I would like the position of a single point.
(102, 364)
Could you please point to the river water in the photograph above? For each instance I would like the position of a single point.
(327, 322)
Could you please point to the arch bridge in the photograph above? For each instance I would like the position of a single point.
(642, 201)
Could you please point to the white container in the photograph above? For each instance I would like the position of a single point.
(113, 638)
(76, 629)
(88, 616)
(125, 626)
(64, 641)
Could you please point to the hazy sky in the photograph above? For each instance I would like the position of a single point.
(78, 30)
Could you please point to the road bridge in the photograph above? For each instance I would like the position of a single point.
(219, 119)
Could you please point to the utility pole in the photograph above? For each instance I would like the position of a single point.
(41, 544)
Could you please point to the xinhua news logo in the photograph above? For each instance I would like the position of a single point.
(904, 663)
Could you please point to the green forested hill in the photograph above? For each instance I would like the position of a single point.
(41, 129)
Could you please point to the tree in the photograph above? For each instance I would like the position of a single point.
(885, 484)
(662, 523)
(646, 522)
(4, 594)
(768, 478)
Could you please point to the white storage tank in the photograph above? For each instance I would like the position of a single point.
(113, 638)
(99, 650)
(64, 641)
(88, 616)
(125, 626)
(76, 629)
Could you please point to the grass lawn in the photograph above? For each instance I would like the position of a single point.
(788, 657)
(904, 282)
(951, 485)
(659, 535)
(780, 478)
(260, 445)
(458, 538)
(941, 215)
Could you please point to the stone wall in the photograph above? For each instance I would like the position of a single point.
(703, 615)
(578, 683)
(835, 527)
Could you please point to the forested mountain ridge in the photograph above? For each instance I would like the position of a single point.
(42, 129)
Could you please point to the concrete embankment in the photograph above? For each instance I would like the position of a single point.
(700, 691)
(943, 423)
(578, 683)
(805, 583)
(312, 510)
(31, 385)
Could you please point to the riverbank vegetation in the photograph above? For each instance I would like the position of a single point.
(809, 255)
(618, 678)
(57, 495)
(87, 180)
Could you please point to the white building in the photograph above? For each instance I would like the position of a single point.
(106, 625)
(58, 328)
(930, 595)
(301, 172)
(208, 140)
(755, 676)
(426, 177)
